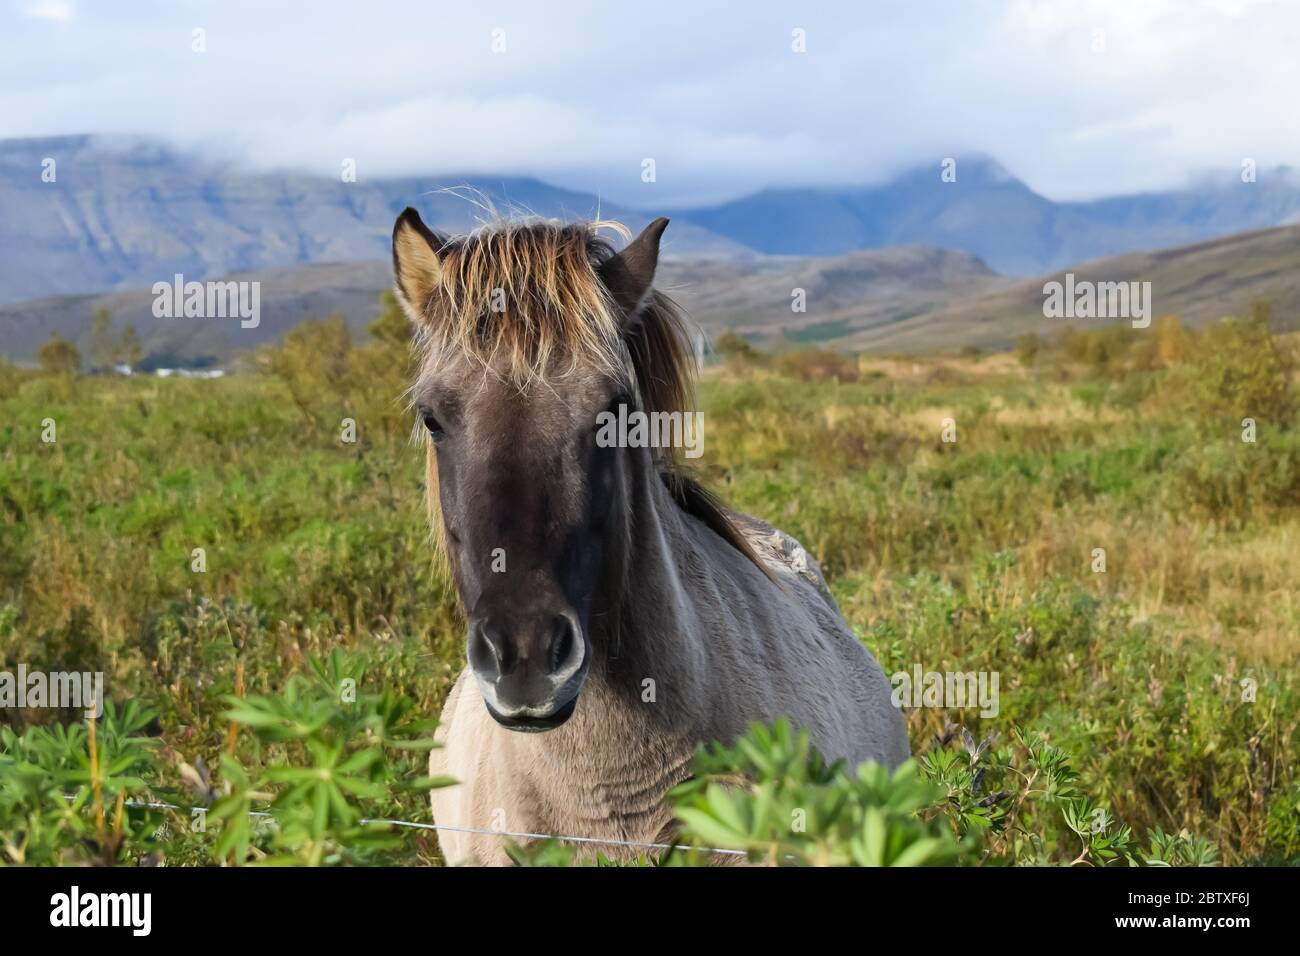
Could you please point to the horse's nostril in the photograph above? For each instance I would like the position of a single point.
(561, 642)
(489, 649)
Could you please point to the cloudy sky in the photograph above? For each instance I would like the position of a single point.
(1079, 99)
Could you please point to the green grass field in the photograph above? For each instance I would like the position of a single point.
(971, 555)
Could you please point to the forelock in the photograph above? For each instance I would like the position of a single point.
(525, 301)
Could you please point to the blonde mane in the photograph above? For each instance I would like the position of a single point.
(525, 298)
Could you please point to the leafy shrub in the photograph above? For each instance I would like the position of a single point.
(1233, 481)
(330, 748)
(733, 347)
(1236, 369)
(63, 790)
(58, 356)
(818, 365)
(1105, 350)
(773, 796)
(329, 377)
(328, 755)
(1027, 803)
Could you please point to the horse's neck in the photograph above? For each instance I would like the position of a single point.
(655, 657)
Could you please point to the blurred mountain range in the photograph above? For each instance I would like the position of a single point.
(124, 213)
(918, 262)
(906, 299)
(991, 214)
(751, 293)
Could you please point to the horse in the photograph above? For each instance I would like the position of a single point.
(618, 615)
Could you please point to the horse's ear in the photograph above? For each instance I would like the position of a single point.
(415, 262)
(629, 275)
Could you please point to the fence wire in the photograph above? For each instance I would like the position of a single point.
(511, 834)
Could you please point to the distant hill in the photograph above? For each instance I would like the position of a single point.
(1198, 283)
(908, 299)
(904, 299)
(839, 293)
(842, 294)
(124, 214)
(911, 264)
(287, 297)
(991, 214)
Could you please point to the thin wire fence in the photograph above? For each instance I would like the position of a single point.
(514, 835)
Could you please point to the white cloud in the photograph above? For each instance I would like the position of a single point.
(60, 10)
(582, 94)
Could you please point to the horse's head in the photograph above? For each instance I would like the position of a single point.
(528, 333)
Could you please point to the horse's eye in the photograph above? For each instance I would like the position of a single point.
(432, 425)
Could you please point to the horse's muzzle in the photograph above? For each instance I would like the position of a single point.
(529, 674)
